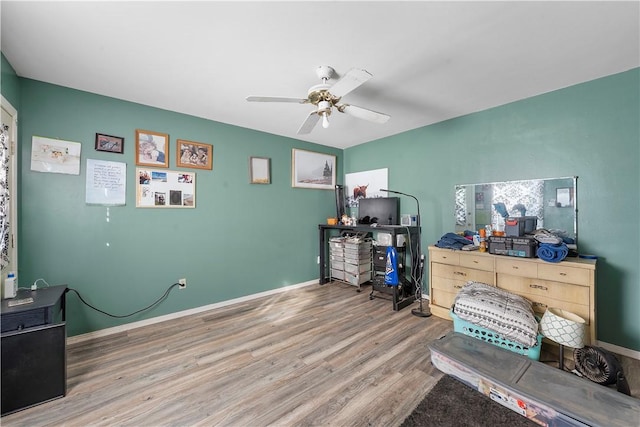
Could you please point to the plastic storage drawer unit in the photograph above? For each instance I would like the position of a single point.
(523, 247)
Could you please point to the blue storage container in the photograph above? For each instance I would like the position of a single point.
(468, 328)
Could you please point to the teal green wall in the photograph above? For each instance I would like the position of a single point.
(242, 239)
(590, 130)
(239, 240)
(9, 84)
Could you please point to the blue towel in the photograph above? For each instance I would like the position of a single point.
(552, 253)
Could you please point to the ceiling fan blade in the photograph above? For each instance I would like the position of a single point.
(354, 78)
(276, 99)
(363, 113)
(309, 123)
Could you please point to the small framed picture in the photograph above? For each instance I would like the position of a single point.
(259, 170)
(151, 148)
(109, 143)
(191, 154)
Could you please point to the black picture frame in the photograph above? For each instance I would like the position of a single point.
(109, 143)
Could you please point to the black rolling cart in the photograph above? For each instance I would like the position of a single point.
(402, 295)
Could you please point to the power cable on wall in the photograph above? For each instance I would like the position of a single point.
(158, 301)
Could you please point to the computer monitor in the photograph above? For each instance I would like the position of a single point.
(380, 210)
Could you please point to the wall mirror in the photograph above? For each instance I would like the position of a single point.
(551, 200)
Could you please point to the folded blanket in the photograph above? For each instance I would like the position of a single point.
(452, 241)
(492, 308)
(552, 253)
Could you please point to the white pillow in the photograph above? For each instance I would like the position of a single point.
(508, 314)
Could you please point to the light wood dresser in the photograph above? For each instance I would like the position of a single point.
(569, 285)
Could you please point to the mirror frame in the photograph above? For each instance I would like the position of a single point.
(573, 199)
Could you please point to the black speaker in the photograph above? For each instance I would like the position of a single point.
(34, 367)
(340, 201)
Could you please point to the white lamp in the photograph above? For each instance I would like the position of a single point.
(564, 328)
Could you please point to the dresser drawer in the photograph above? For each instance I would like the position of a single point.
(540, 303)
(445, 257)
(562, 273)
(556, 290)
(449, 285)
(461, 274)
(516, 267)
(442, 298)
(477, 261)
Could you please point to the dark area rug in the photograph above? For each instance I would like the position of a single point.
(453, 403)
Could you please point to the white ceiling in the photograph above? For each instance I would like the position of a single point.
(430, 61)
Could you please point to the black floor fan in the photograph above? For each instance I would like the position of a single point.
(601, 366)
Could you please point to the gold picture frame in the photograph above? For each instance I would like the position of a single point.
(197, 155)
(152, 148)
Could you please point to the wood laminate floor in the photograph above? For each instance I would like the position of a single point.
(319, 355)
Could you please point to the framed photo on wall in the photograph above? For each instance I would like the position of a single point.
(259, 170)
(191, 154)
(313, 170)
(151, 148)
(109, 143)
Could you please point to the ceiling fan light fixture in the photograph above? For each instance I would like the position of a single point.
(324, 110)
(325, 96)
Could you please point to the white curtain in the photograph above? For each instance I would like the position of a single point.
(4, 196)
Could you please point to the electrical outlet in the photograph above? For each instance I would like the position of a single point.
(182, 283)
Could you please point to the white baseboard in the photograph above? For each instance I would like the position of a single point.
(623, 351)
(129, 326)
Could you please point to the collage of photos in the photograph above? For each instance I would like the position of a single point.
(165, 189)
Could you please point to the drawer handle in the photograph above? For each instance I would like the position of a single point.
(544, 288)
(515, 267)
(563, 274)
(539, 304)
(457, 287)
(459, 273)
(475, 262)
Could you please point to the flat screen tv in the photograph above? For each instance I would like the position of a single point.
(380, 210)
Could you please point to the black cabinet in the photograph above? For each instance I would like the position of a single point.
(34, 355)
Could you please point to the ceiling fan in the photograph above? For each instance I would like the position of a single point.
(325, 97)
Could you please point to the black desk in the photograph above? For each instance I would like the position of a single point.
(399, 301)
(34, 367)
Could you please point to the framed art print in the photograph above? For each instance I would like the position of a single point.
(313, 170)
(109, 143)
(259, 170)
(151, 149)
